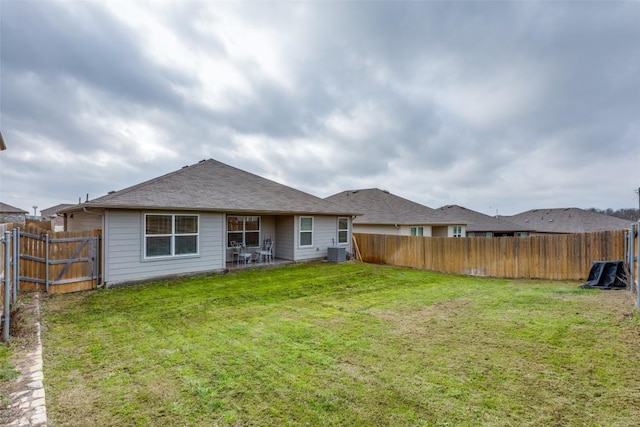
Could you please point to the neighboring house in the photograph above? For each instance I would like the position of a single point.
(385, 213)
(567, 220)
(10, 213)
(185, 222)
(51, 214)
(481, 225)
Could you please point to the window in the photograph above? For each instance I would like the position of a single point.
(343, 230)
(243, 229)
(417, 231)
(488, 234)
(170, 235)
(457, 231)
(306, 231)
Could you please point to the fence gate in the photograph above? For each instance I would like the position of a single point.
(59, 264)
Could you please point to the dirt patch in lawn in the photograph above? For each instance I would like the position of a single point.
(419, 320)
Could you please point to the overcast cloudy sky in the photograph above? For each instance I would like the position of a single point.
(498, 105)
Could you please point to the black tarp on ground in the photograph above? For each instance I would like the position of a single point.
(607, 275)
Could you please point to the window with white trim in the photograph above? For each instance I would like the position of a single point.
(306, 231)
(457, 231)
(343, 230)
(244, 230)
(168, 235)
(417, 231)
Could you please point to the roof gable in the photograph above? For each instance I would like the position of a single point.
(381, 207)
(568, 220)
(214, 186)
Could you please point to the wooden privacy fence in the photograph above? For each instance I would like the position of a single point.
(57, 262)
(60, 262)
(555, 257)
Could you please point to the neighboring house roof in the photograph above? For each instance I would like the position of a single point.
(52, 211)
(5, 208)
(381, 207)
(480, 223)
(214, 186)
(567, 220)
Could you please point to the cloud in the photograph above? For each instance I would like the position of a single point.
(486, 104)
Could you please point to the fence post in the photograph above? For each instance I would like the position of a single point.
(46, 260)
(637, 256)
(630, 248)
(14, 263)
(16, 259)
(7, 286)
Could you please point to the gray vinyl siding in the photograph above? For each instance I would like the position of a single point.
(83, 221)
(267, 227)
(325, 234)
(376, 229)
(124, 259)
(440, 231)
(284, 237)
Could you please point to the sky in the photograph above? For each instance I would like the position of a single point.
(497, 106)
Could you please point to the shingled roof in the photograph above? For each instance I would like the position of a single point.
(214, 186)
(478, 222)
(54, 210)
(5, 208)
(381, 207)
(568, 220)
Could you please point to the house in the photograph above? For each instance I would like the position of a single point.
(51, 214)
(188, 221)
(481, 225)
(567, 220)
(10, 213)
(386, 213)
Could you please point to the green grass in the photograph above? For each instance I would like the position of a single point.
(7, 372)
(342, 345)
(21, 338)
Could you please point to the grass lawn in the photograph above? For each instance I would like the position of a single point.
(342, 345)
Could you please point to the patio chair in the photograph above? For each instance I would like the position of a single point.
(239, 253)
(266, 252)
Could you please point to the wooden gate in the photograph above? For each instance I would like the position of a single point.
(59, 262)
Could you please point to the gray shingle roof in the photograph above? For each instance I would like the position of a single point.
(478, 222)
(214, 186)
(381, 207)
(5, 208)
(568, 220)
(54, 209)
